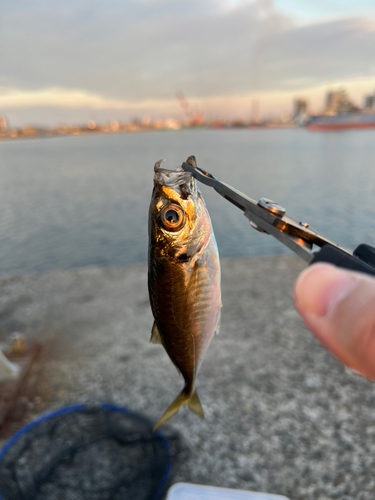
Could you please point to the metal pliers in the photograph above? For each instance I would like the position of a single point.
(269, 217)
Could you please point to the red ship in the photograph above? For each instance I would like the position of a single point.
(348, 121)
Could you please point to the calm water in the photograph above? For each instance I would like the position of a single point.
(83, 201)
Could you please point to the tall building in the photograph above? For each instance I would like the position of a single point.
(300, 111)
(300, 107)
(338, 103)
(3, 124)
(370, 101)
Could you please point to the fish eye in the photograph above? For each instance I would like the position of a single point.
(172, 217)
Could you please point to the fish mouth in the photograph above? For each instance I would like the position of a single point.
(179, 180)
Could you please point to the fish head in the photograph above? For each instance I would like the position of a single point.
(179, 223)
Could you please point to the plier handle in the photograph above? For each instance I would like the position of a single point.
(269, 217)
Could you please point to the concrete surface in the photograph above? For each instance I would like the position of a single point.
(282, 415)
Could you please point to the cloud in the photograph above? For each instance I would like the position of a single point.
(321, 52)
(76, 99)
(57, 97)
(65, 98)
(137, 54)
(138, 50)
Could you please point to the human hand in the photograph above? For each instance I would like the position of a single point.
(338, 306)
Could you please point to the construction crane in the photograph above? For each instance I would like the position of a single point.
(194, 118)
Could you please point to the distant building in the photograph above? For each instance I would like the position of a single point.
(29, 131)
(370, 101)
(172, 124)
(300, 111)
(146, 122)
(3, 124)
(338, 103)
(114, 126)
(300, 107)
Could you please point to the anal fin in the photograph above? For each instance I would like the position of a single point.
(217, 327)
(155, 335)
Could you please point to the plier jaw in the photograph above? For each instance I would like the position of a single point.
(269, 217)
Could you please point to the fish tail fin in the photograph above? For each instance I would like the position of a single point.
(195, 405)
(182, 399)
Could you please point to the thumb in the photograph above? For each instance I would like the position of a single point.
(338, 306)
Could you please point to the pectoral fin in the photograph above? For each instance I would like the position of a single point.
(155, 335)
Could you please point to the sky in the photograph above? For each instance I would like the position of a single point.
(80, 60)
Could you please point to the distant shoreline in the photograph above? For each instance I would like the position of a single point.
(35, 133)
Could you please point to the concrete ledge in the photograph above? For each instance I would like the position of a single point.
(282, 415)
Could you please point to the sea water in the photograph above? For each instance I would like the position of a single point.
(68, 202)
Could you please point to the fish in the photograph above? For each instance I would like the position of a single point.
(183, 278)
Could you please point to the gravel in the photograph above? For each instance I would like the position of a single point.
(282, 415)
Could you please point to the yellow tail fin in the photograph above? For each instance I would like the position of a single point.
(195, 405)
(181, 400)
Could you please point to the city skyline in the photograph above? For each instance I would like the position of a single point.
(85, 61)
(337, 103)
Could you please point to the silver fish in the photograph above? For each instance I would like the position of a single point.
(183, 278)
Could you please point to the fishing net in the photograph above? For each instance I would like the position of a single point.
(87, 453)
